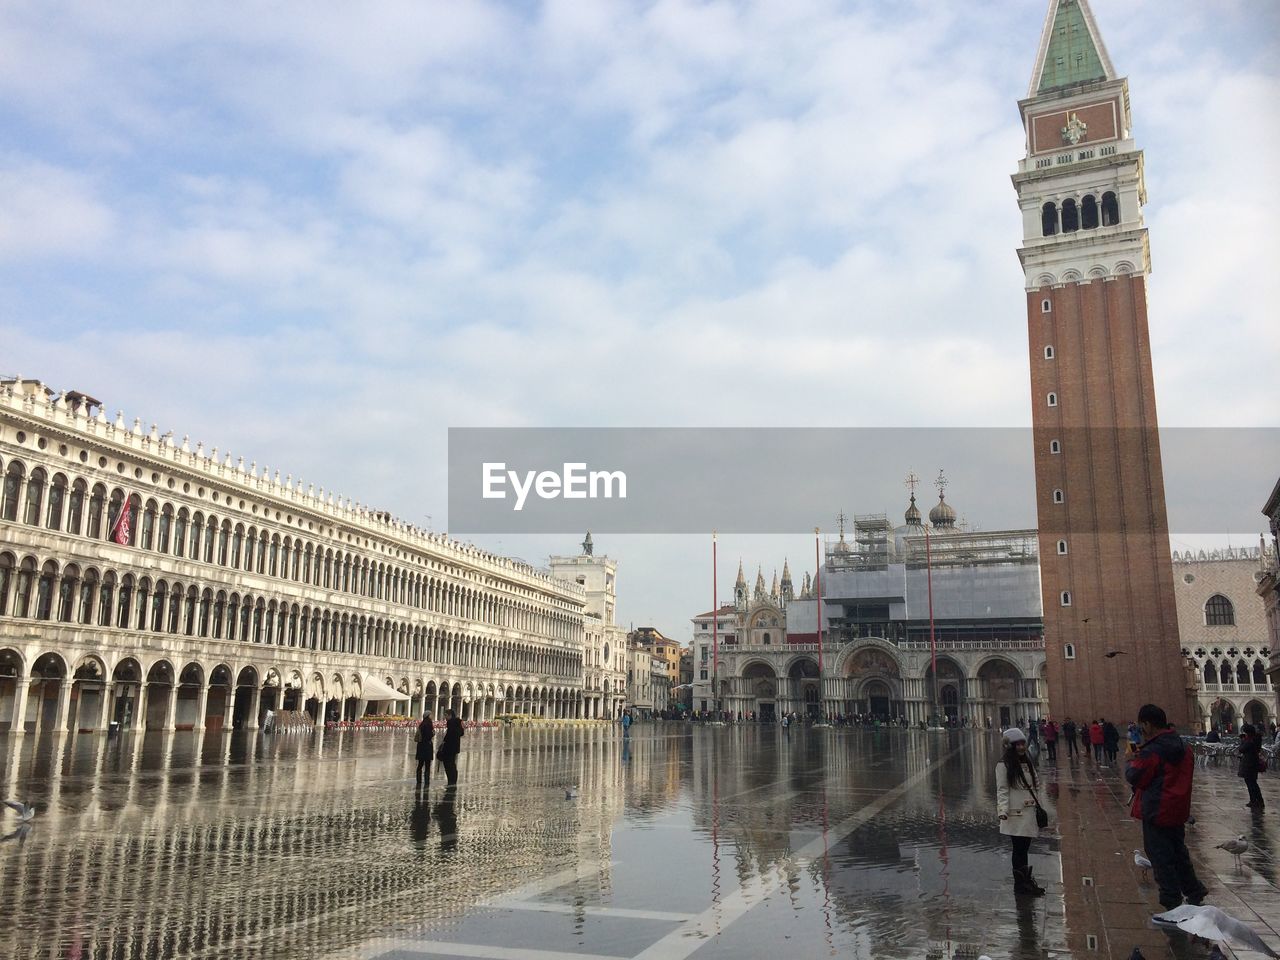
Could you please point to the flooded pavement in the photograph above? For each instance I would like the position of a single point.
(707, 842)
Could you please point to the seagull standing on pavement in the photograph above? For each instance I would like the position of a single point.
(1211, 923)
(571, 793)
(1236, 847)
(1141, 861)
(26, 811)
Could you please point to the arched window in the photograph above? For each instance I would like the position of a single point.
(1242, 672)
(1048, 220)
(1218, 612)
(1089, 212)
(57, 499)
(35, 494)
(1110, 210)
(166, 528)
(1070, 217)
(1069, 652)
(1048, 353)
(44, 591)
(1062, 547)
(1059, 496)
(12, 485)
(1259, 673)
(106, 598)
(1210, 674)
(1053, 399)
(1046, 306)
(1066, 598)
(75, 507)
(124, 603)
(148, 534)
(1225, 673)
(97, 502)
(180, 533)
(67, 592)
(1055, 446)
(88, 590)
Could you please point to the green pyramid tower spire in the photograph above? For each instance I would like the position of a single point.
(1071, 49)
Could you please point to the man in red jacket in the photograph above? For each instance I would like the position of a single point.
(1160, 774)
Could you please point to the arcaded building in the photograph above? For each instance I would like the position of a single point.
(153, 583)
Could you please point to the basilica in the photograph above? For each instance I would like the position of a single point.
(862, 637)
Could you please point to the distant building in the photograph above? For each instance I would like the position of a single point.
(1223, 624)
(604, 660)
(666, 655)
(875, 636)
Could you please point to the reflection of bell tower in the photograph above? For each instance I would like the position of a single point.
(1103, 528)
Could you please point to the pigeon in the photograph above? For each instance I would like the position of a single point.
(1237, 846)
(26, 811)
(571, 793)
(1211, 923)
(1140, 861)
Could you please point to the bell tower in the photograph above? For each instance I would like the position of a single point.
(1106, 570)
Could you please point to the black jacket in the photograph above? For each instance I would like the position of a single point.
(426, 733)
(451, 745)
(1250, 753)
(1110, 735)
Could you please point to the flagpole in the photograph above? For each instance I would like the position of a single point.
(715, 631)
(817, 557)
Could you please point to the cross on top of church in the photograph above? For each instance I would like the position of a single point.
(941, 484)
(912, 481)
(840, 519)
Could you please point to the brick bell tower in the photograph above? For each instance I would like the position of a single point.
(1106, 572)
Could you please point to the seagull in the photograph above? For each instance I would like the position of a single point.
(1211, 923)
(1140, 861)
(26, 811)
(1237, 846)
(571, 793)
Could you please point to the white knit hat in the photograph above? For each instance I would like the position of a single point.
(1014, 735)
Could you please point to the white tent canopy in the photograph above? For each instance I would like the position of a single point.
(371, 688)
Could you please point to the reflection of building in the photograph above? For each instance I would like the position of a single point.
(1103, 529)
(604, 661)
(876, 628)
(1269, 587)
(149, 583)
(1223, 626)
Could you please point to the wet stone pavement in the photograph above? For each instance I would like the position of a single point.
(681, 842)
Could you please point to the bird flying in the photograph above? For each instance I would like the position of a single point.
(1211, 923)
(25, 811)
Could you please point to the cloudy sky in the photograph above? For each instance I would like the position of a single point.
(319, 235)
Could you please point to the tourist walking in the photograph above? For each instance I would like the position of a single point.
(1096, 741)
(1084, 738)
(1251, 763)
(1110, 740)
(1161, 774)
(450, 747)
(1018, 807)
(425, 735)
(1051, 738)
(1069, 735)
(1135, 738)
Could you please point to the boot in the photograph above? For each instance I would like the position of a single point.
(1024, 885)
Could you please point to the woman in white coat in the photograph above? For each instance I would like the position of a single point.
(1016, 792)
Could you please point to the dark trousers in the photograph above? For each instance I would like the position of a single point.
(450, 768)
(1167, 850)
(1020, 847)
(1053, 749)
(424, 770)
(1097, 753)
(1071, 746)
(1255, 795)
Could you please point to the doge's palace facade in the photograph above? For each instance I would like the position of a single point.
(235, 592)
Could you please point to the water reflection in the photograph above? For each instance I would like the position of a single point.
(875, 843)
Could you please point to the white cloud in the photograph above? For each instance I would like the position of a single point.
(49, 212)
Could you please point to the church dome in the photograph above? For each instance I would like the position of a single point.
(942, 515)
(912, 516)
